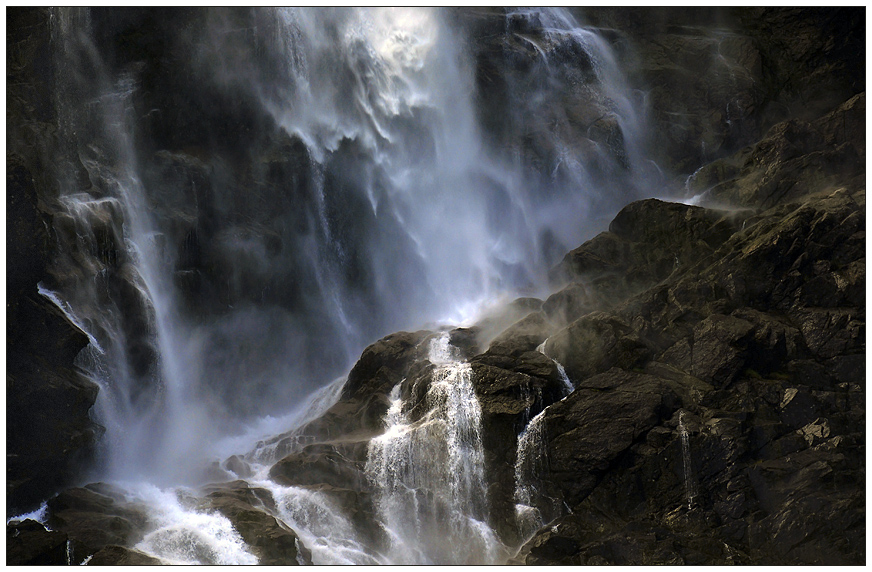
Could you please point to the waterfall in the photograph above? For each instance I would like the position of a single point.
(321, 525)
(428, 474)
(238, 222)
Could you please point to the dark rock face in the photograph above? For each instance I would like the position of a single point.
(754, 340)
(600, 421)
(96, 516)
(121, 556)
(29, 543)
(50, 436)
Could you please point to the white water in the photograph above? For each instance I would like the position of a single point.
(40, 515)
(320, 524)
(428, 474)
(183, 535)
(568, 386)
(452, 223)
(533, 508)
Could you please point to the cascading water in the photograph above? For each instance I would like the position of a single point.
(533, 508)
(428, 474)
(223, 276)
(568, 386)
(691, 488)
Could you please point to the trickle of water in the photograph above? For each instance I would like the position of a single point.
(533, 509)
(68, 312)
(428, 474)
(568, 386)
(691, 489)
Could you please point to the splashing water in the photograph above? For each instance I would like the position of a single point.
(568, 386)
(320, 523)
(39, 515)
(428, 474)
(533, 509)
(182, 535)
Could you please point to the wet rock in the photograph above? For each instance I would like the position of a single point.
(95, 516)
(498, 319)
(337, 465)
(364, 400)
(510, 390)
(523, 336)
(574, 301)
(30, 543)
(120, 556)
(596, 343)
(50, 433)
(247, 509)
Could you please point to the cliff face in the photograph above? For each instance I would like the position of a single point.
(716, 350)
(50, 436)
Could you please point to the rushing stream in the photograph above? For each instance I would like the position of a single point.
(225, 284)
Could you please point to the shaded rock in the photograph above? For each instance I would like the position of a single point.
(510, 390)
(596, 343)
(523, 336)
(647, 241)
(50, 433)
(96, 516)
(337, 465)
(498, 319)
(120, 556)
(30, 543)
(718, 351)
(794, 159)
(574, 301)
(364, 399)
(593, 427)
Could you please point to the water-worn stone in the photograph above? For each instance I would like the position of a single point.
(95, 516)
(268, 539)
(120, 556)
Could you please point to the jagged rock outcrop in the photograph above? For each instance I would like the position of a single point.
(758, 341)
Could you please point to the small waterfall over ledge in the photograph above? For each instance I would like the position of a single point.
(428, 474)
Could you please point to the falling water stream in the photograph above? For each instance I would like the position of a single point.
(429, 475)
(404, 213)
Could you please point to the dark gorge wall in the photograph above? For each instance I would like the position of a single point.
(716, 350)
(50, 437)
